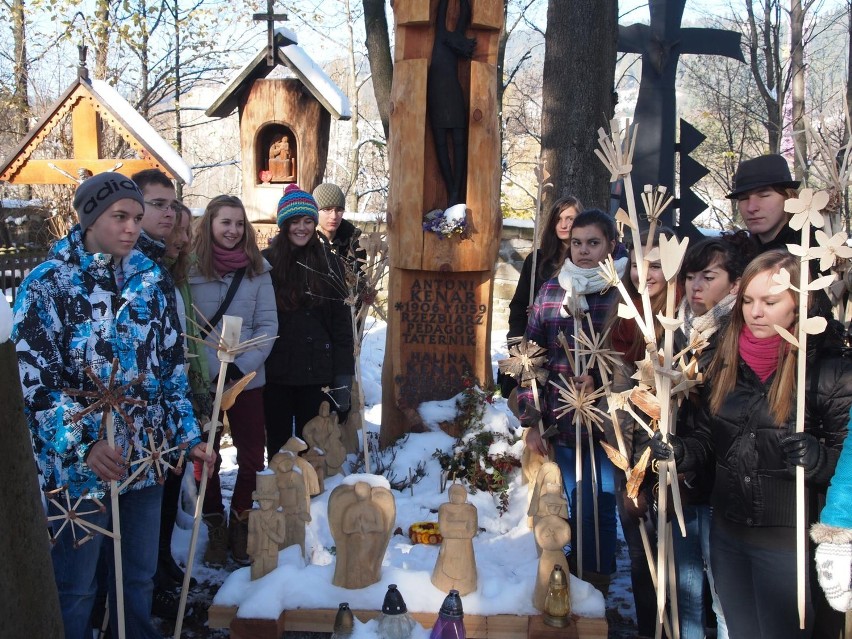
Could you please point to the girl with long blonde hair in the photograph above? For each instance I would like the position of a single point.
(745, 428)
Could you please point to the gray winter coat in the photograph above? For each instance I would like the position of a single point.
(254, 302)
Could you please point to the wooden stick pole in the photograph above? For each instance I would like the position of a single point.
(109, 423)
(230, 337)
(801, 383)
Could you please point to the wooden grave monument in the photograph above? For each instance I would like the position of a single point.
(440, 288)
(284, 122)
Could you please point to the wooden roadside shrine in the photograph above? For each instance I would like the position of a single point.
(91, 104)
(284, 122)
(440, 288)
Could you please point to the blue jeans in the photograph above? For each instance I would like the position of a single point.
(76, 569)
(692, 556)
(565, 458)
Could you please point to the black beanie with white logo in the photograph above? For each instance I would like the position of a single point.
(99, 192)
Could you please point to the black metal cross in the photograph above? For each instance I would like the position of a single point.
(270, 18)
(660, 44)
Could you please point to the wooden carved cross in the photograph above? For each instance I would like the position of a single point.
(270, 17)
(660, 44)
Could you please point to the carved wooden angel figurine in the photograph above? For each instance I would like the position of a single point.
(552, 533)
(266, 527)
(548, 473)
(323, 432)
(361, 518)
(293, 498)
(456, 565)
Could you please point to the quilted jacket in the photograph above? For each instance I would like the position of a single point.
(753, 484)
(68, 316)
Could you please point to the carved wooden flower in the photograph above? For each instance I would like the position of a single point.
(828, 249)
(782, 282)
(525, 363)
(608, 272)
(616, 151)
(655, 201)
(806, 208)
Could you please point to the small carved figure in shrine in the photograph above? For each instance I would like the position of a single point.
(281, 160)
(266, 527)
(361, 518)
(456, 565)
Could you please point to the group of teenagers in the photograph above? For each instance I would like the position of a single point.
(139, 281)
(736, 447)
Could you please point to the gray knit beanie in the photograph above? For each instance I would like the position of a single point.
(99, 192)
(329, 196)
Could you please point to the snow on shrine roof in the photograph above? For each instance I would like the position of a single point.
(289, 53)
(142, 129)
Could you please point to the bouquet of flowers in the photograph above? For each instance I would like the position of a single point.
(452, 221)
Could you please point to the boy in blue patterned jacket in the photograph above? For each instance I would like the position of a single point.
(96, 298)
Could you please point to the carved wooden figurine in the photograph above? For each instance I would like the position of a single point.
(361, 518)
(293, 498)
(316, 459)
(323, 432)
(551, 533)
(548, 473)
(456, 565)
(266, 527)
(313, 484)
(531, 461)
(281, 161)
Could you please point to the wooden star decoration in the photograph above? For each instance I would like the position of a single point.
(108, 396)
(582, 403)
(525, 363)
(71, 515)
(591, 346)
(157, 458)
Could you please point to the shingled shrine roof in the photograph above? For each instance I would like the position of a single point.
(291, 55)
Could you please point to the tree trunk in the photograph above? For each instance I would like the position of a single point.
(353, 163)
(26, 569)
(379, 55)
(20, 100)
(579, 61)
(797, 62)
(102, 31)
(178, 130)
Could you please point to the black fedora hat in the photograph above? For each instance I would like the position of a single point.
(764, 170)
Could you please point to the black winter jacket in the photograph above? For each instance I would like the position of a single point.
(315, 344)
(753, 484)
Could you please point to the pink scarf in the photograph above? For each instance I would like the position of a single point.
(228, 260)
(761, 355)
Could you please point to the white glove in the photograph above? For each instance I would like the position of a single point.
(834, 572)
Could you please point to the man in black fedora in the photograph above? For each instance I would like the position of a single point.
(761, 186)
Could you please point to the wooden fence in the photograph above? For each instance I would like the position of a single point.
(14, 267)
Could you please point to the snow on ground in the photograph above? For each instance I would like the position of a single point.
(505, 551)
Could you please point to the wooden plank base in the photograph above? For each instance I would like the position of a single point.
(477, 626)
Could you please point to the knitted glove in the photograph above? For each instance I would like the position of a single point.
(661, 450)
(834, 572)
(802, 449)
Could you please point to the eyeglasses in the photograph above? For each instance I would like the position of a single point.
(162, 205)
